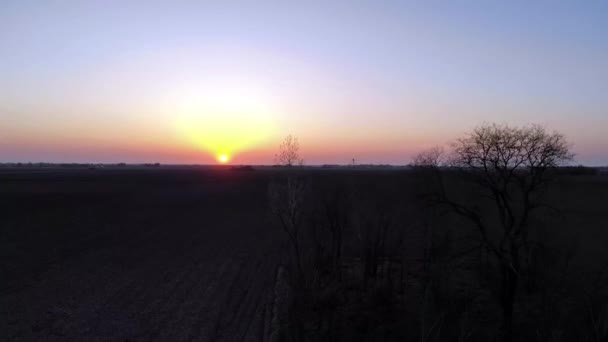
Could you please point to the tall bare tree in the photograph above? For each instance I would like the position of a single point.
(287, 204)
(289, 152)
(510, 165)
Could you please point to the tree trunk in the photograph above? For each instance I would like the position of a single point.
(298, 261)
(509, 287)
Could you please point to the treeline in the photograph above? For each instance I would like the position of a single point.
(463, 248)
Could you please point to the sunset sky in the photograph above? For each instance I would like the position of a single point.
(186, 82)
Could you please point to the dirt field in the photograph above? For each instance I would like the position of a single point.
(175, 253)
(134, 255)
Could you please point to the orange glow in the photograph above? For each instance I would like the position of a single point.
(223, 117)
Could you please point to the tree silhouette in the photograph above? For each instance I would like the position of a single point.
(431, 158)
(289, 152)
(287, 205)
(511, 165)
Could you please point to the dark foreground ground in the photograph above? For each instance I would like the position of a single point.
(174, 254)
(134, 255)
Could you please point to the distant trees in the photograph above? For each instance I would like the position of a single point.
(510, 166)
(429, 158)
(289, 152)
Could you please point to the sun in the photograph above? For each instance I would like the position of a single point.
(223, 158)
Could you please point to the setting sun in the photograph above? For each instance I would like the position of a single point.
(223, 158)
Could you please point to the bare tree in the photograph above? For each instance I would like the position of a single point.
(431, 158)
(287, 205)
(432, 316)
(289, 152)
(511, 165)
(427, 165)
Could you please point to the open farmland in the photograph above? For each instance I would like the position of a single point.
(134, 255)
(185, 253)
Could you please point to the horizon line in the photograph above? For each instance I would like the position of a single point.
(157, 164)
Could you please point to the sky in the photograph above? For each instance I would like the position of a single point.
(378, 81)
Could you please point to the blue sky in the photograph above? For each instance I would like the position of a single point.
(106, 81)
